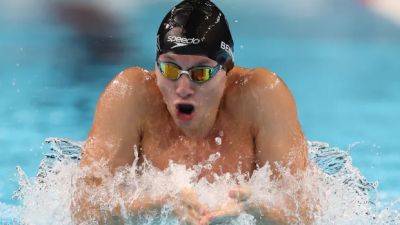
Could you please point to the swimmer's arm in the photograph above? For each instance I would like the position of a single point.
(278, 137)
(115, 132)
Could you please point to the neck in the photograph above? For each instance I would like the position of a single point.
(208, 125)
(205, 128)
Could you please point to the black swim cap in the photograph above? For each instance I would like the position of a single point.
(197, 27)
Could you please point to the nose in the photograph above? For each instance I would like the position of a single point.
(184, 88)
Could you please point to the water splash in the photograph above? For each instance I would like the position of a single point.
(341, 193)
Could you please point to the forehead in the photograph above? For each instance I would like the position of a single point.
(187, 59)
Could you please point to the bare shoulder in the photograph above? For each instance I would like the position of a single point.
(135, 74)
(267, 103)
(262, 80)
(133, 85)
(127, 97)
(119, 117)
(247, 80)
(130, 80)
(256, 88)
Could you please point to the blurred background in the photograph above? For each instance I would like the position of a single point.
(340, 58)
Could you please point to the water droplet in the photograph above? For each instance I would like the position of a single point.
(218, 140)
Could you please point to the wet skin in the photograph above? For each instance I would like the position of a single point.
(248, 116)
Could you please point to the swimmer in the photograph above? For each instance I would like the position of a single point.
(177, 112)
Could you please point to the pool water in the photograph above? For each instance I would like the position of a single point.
(343, 69)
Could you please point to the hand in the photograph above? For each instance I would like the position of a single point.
(240, 193)
(188, 208)
(230, 210)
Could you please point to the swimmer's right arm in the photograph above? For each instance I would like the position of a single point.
(110, 145)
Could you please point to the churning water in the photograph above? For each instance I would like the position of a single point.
(340, 194)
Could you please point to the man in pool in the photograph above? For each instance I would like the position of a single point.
(194, 104)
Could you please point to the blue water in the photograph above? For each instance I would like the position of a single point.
(342, 65)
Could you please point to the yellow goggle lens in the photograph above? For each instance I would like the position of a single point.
(201, 74)
(169, 71)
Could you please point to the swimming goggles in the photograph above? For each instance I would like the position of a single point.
(198, 74)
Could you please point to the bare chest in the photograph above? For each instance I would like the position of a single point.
(231, 143)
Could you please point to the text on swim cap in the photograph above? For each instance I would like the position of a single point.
(182, 41)
(226, 48)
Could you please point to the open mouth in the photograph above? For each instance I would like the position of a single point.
(186, 109)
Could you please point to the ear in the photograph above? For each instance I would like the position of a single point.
(228, 65)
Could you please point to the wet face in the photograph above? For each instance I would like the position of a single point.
(193, 106)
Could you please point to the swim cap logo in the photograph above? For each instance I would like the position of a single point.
(181, 41)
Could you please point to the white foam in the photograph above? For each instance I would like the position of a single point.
(340, 198)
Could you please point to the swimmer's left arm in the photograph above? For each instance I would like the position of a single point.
(277, 134)
(278, 139)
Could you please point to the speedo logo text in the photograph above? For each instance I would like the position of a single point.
(182, 41)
